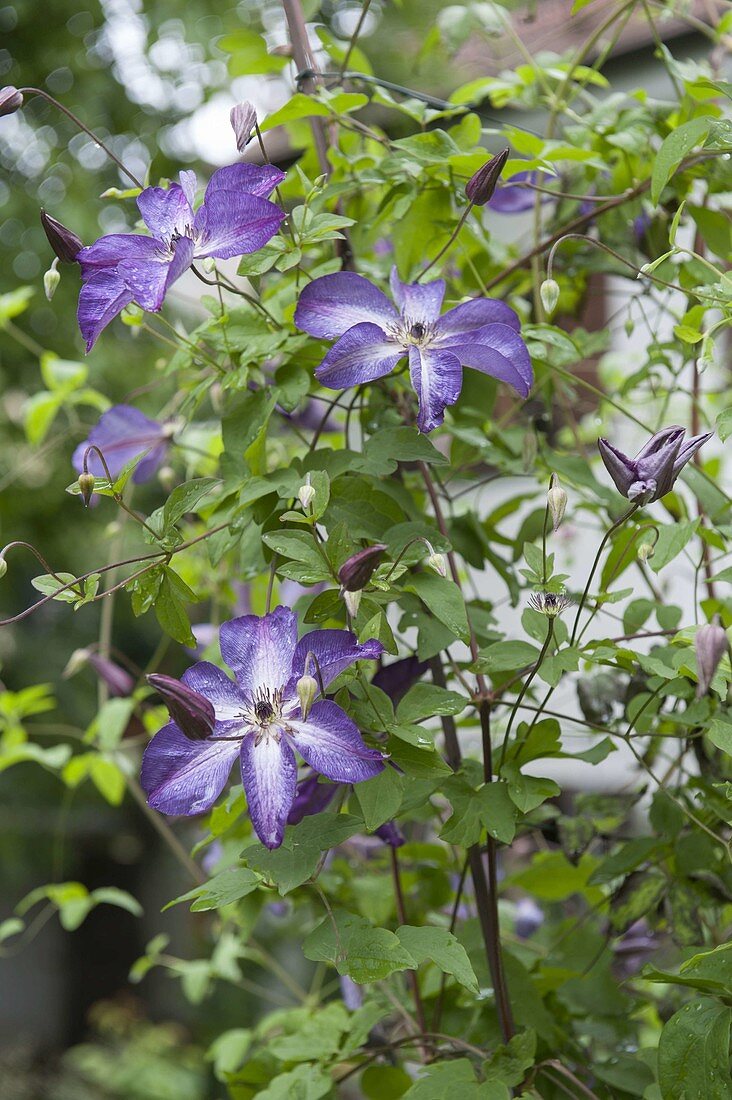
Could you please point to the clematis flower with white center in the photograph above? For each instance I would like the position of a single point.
(257, 719)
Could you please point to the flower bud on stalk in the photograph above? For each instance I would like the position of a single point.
(51, 279)
(480, 187)
(352, 601)
(3, 567)
(64, 242)
(706, 355)
(11, 100)
(646, 550)
(306, 494)
(307, 690)
(243, 119)
(710, 645)
(549, 294)
(557, 501)
(86, 487)
(437, 562)
(356, 572)
(191, 712)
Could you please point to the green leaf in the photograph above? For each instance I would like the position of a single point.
(675, 147)
(693, 1053)
(454, 1080)
(305, 1082)
(355, 948)
(506, 656)
(671, 541)
(426, 701)
(225, 888)
(444, 599)
(379, 798)
(437, 945)
(724, 424)
(708, 972)
(489, 807)
(170, 612)
(528, 791)
(184, 498)
(509, 1064)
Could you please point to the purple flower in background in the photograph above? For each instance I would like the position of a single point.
(396, 678)
(234, 218)
(258, 720)
(121, 434)
(312, 797)
(510, 199)
(372, 336)
(653, 471)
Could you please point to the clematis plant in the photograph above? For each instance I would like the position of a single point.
(653, 471)
(373, 335)
(258, 719)
(235, 218)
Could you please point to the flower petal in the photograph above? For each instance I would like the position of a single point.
(180, 776)
(212, 682)
(121, 433)
(621, 468)
(499, 351)
(149, 280)
(361, 355)
(269, 775)
(330, 306)
(101, 299)
(331, 744)
(234, 223)
(334, 650)
(660, 442)
(165, 211)
(418, 302)
(437, 379)
(254, 179)
(111, 250)
(471, 315)
(688, 449)
(260, 650)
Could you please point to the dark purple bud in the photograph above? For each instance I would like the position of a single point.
(653, 471)
(391, 834)
(243, 120)
(356, 573)
(310, 798)
(397, 678)
(11, 100)
(63, 241)
(710, 645)
(193, 713)
(481, 186)
(119, 681)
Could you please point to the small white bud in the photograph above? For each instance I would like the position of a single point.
(706, 355)
(209, 265)
(307, 690)
(549, 294)
(557, 501)
(51, 279)
(78, 660)
(437, 562)
(352, 601)
(3, 567)
(646, 550)
(306, 494)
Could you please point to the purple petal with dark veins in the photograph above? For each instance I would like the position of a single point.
(437, 379)
(417, 302)
(330, 306)
(235, 223)
(331, 744)
(180, 776)
(335, 651)
(260, 650)
(496, 350)
(209, 680)
(252, 179)
(111, 250)
(269, 775)
(466, 317)
(165, 212)
(361, 355)
(102, 298)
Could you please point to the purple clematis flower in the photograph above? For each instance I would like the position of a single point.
(258, 719)
(121, 434)
(234, 218)
(510, 199)
(372, 336)
(653, 471)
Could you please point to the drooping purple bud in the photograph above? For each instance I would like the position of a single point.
(64, 242)
(356, 573)
(310, 798)
(11, 100)
(710, 645)
(120, 683)
(480, 187)
(193, 713)
(391, 834)
(652, 473)
(243, 120)
(397, 678)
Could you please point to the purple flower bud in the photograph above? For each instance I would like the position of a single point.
(391, 834)
(310, 798)
(653, 471)
(397, 678)
(480, 187)
(710, 645)
(243, 120)
(11, 100)
(356, 573)
(119, 681)
(191, 712)
(63, 241)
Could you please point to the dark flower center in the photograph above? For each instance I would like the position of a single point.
(263, 710)
(417, 330)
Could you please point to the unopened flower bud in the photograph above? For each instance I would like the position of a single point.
(352, 601)
(480, 187)
(64, 242)
(3, 567)
(119, 682)
(166, 477)
(557, 501)
(549, 294)
(710, 645)
(706, 355)
(391, 834)
(646, 550)
(306, 495)
(243, 119)
(51, 279)
(436, 561)
(11, 100)
(191, 712)
(307, 690)
(356, 572)
(86, 487)
(209, 265)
